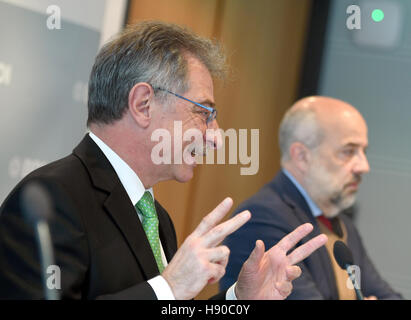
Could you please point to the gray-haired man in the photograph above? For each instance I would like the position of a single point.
(112, 240)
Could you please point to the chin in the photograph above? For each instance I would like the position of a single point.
(349, 201)
(184, 175)
(346, 203)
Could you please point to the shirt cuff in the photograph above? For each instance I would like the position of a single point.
(230, 294)
(161, 288)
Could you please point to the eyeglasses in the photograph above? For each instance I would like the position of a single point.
(213, 112)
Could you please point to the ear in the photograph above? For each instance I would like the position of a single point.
(300, 156)
(140, 100)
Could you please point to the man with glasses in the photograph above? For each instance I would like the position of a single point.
(209, 116)
(112, 240)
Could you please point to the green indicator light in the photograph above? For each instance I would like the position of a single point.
(377, 15)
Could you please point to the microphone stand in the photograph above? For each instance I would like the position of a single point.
(46, 256)
(352, 278)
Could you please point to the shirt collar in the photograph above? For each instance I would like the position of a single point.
(315, 210)
(129, 179)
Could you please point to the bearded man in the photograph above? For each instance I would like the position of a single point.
(323, 142)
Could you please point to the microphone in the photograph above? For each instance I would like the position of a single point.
(37, 208)
(344, 258)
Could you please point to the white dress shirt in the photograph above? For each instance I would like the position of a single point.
(135, 190)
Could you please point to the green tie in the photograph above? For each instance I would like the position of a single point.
(150, 226)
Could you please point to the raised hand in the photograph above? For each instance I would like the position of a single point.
(200, 259)
(268, 275)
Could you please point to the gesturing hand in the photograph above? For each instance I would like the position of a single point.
(268, 275)
(200, 259)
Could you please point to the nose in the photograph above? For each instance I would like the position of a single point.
(213, 135)
(362, 166)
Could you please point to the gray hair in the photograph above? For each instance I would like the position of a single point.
(151, 52)
(299, 125)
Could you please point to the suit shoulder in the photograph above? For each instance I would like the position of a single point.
(62, 174)
(266, 201)
(59, 169)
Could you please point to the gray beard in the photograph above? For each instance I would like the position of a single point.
(339, 203)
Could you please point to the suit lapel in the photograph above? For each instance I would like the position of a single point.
(302, 213)
(117, 204)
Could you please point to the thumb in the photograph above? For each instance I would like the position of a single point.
(256, 255)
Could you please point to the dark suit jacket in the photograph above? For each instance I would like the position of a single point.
(277, 209)
(99, 242)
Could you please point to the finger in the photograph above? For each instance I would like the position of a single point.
(224, 262)
(306, 249)
(291, 239)
(215, 216)
(218, 233)
(284, 287)
(217, 272)
(256, 255)
(218, 255)
(293, 272)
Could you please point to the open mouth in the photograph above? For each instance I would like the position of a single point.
(195, 152)
(194, 155)
(198, 151)
(191, 154)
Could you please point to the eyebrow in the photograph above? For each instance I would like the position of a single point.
(352, 144)
(207, 102)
